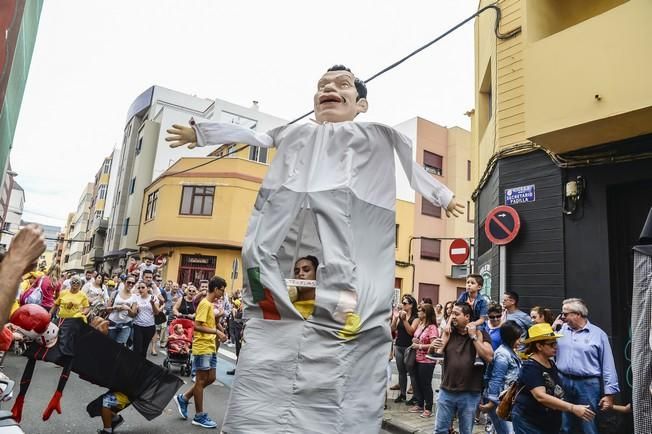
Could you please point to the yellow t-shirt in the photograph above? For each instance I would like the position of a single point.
(204, 343)
(71, 305)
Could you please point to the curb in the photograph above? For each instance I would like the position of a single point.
(398, 427)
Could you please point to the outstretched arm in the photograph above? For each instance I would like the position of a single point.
(215, 133)
(421, 181)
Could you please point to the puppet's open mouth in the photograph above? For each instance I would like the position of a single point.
(329, 98)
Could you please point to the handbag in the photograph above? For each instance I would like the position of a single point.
(410, 359)
(507, 399)
(160, 318)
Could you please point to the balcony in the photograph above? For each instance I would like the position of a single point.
(585, 84)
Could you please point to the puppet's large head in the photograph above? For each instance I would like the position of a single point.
(33, 322)
(340, 96)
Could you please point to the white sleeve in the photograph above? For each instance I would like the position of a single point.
(217, 133)
(420, 180)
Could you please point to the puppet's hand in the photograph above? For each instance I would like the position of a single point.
(54, 404)
(181, 135)
(17, 409)
(454, 209)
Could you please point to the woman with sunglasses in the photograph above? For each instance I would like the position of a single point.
(144, 326)
(404, 323)
(184, 307)
(123, 307)
(72, 303)
(540, 398)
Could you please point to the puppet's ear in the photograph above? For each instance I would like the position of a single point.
(362, 105)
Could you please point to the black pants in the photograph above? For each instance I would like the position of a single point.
(142, 338)
(423, 392)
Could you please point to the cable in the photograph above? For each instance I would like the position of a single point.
(499, 35)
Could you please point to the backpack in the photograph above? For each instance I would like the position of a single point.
(33, 295)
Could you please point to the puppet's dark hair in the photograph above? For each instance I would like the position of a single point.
(359, 84)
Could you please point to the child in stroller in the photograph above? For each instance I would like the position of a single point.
(179, 345)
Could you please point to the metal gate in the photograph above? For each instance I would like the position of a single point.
(194, 268)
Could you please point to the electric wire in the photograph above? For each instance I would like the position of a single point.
(499, 35)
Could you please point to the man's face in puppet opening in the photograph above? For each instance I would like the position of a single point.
(336, 99)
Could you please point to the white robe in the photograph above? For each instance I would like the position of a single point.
(330, 192)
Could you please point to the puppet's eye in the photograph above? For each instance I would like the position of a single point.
(346, 84)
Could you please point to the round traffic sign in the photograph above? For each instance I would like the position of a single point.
(459, 251)
(502, 225)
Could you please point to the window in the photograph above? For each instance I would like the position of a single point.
(197, 200)
(152, 199)
(132, 185)
(258, 154)
(125, 229)
(470, 214)
(98, 214)
(468, 170)
(429, 290)
(65, 259)
(396, 236)
(430, 249)
(429, 209)
(398, 283)
(107, 166)
(101, 192)
(139, 145)
(433, 163)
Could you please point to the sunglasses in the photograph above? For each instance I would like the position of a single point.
(550, 343)
(406, 302)
(564, 314)
(494, 316)
(130, 282)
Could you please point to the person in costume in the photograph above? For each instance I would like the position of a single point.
(330, 192)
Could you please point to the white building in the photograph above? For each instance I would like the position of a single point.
(77, 232)
(145, 155)
(11, 224)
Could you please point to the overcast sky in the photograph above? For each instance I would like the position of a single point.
(93, 58)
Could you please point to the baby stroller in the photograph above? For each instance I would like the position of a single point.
(179, 348)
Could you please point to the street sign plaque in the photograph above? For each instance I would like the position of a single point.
(502, 225)
(459, 251)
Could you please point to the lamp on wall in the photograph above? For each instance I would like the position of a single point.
(573, 194)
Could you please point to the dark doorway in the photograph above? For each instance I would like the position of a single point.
(196, 268)
(628, 206)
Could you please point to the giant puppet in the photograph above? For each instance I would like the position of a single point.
(329, 192)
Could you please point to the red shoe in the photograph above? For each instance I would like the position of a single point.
(415, 409)
(426, 413)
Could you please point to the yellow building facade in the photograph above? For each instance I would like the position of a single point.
(562, 129)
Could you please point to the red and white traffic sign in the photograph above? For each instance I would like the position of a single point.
(459, 251)
(502, 225)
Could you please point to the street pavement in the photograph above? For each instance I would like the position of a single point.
(79, 393)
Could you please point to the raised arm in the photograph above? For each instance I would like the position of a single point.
(215, 133)
(421, 181)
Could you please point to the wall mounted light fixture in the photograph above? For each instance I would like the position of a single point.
(573, 192)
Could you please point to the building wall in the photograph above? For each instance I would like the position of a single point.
(18, 49)
(78, 231)
(12, 223)
(405, 222)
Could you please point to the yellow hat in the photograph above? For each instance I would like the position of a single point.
(110, 283)
(541, 332)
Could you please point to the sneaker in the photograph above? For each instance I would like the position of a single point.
(116, 422)
(395, 387)
(399, 398)
(182, 406)
(415, 409)
(426, 413)
(411, 401)
(478, 362)
(204, 421)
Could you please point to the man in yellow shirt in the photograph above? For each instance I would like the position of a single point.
(204, 353)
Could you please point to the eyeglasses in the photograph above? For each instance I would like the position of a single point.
(130, 282)
(494, 316)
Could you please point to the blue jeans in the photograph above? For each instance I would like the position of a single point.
(585, 391)
(450, 403)
(119, 332)
(501, 426)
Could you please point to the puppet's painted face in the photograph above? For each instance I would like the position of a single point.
(335, 99)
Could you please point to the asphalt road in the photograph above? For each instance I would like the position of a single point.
(79, 393)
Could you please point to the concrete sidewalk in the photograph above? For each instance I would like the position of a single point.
(397, 419)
